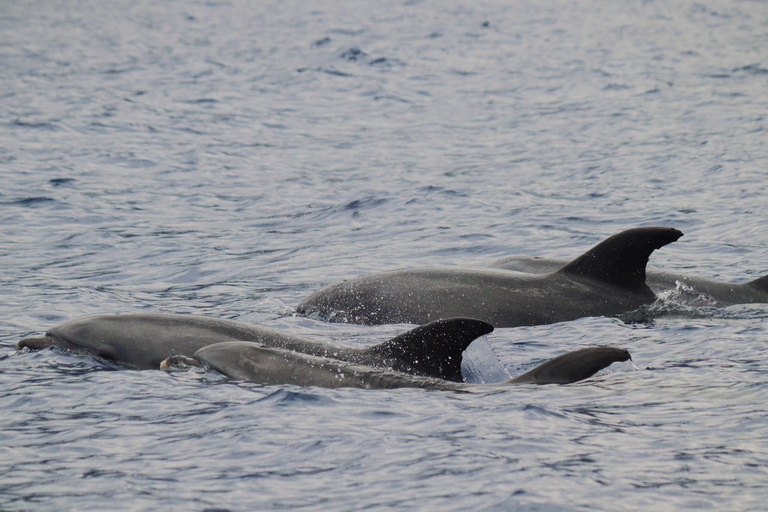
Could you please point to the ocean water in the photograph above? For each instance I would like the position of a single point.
(227, 158)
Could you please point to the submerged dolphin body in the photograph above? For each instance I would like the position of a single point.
(272, 366)
(724, 294)
(143, 341)
(607, 280)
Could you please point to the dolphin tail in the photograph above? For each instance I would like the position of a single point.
(761, 283)
(573, 366)
(435, 349)
(621, 259)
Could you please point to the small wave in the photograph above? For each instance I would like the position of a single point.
(41, 125)
(365, 203)
(742, 312)
(515, 502)
(56, 182)
(327, 71)
(288, 397)
(354, 54)
(30, 201)
(540, 410)
(752, 69)
(202, 100)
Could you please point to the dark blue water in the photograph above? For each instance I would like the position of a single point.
(229, 158)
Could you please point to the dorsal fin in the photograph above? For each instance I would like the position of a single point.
(435, 349)
(621, 259)
(573, 366)
(39, 343)
(761, 283)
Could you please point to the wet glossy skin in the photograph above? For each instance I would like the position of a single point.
(143, 341)
(607, 280)
(263, 365)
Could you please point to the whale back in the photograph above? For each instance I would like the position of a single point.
(621, 259)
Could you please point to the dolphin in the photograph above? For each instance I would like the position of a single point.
(143, 341)
(723, 294)
(607, 280)
(253, 362)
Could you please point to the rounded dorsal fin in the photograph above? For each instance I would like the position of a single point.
(573, 366)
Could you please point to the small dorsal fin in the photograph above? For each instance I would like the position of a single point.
(761, 283)
(573, 366)
(621, 259)
(39, 343)
(435, 349)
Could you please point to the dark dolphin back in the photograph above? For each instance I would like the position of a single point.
(621, 259)
(573, 366)
(434, 349)
(268, 365)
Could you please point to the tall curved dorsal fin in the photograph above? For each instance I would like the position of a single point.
(621, 259)
(573, 366)
(435, 349)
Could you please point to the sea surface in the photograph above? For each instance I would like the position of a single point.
(228, 158)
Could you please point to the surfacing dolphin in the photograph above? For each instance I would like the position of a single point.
(607, 280)
(273, 366)
(143, 341)
(724, 294)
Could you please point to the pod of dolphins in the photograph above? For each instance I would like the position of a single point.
(453, 306)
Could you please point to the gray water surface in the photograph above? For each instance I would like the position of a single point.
(229, 158)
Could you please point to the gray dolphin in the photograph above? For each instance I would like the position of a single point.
(273, 366)
(607, 280)
(724, 294)
(143, 341)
